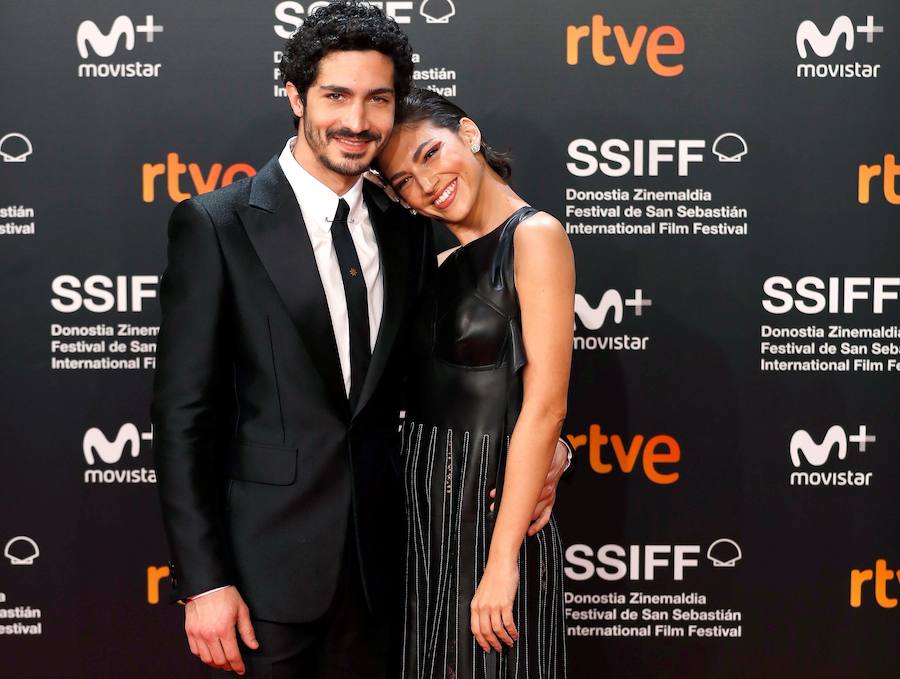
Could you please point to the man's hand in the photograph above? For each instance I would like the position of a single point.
(541, 515)
(209, 622)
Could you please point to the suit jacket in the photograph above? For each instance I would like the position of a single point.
(261, 465)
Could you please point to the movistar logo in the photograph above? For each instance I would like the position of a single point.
(593, 318)
(817, 454)
(110, 452)
(611, 302)
(805, 450)
(104, 44)
(95, 445)
(824, 44)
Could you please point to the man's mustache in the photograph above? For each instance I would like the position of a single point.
(356, 136)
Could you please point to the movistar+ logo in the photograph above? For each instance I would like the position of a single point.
(612, 304)
(806, 451)
(97, 449)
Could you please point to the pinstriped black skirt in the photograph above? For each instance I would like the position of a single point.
(448, 475)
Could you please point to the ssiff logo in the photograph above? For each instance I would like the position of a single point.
(833, 295)
(437, 11)
(650, 157)
(105, 44)
(880, 577)
(97, 448)
(201, 182)
(99, 293)
(15, 147)
(594, 317)
(21, 550)
(657, 453)
(842, 33)
(289, 13)
(646, 562)
(804, 450)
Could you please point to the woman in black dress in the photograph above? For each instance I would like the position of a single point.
(487, 398)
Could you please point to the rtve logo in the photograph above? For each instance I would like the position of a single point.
(289, 14)
(645, 562)
(654, 452)
(100, 293)
(888, 172)
(97, 448)
(104, 45)
(811, 39)
(594, 317)
(879, 577)
(805, 450)
(154, 575)
(836, 295)
(663, 41)
(173, 169)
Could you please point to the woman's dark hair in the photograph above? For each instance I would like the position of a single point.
(425, 105)
(345, 25)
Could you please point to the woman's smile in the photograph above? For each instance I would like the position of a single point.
(445, 198)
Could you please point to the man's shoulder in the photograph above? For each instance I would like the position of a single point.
(223, 203)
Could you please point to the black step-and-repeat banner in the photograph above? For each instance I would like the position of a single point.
(727, 172)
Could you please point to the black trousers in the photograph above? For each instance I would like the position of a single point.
(348, 642)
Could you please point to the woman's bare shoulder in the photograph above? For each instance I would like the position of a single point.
(540, 230)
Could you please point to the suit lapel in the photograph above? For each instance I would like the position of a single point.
(392, 247)
(276, 229)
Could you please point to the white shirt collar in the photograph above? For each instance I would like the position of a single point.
(317, 202)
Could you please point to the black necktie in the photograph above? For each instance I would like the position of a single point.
(357, 300)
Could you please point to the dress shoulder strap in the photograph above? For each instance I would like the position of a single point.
(503, 261)
(503, 280)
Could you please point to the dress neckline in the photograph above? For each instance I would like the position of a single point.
(484, 236)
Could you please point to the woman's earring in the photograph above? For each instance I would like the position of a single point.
(476, 147)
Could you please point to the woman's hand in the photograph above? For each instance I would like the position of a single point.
(378, 181)
(492, 606)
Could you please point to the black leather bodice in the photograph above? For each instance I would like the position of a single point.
(467, 347)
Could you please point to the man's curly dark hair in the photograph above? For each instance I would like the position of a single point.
(341, 26)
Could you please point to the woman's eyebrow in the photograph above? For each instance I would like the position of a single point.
(415, 158)
(420, 147)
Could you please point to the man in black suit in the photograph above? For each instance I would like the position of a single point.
(279, 378)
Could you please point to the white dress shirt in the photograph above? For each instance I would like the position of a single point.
(318, 204)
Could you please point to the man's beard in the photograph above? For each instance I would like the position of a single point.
(352, 165)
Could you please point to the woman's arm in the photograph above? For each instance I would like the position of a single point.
(545, 282)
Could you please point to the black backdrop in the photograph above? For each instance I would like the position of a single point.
(732, 511)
